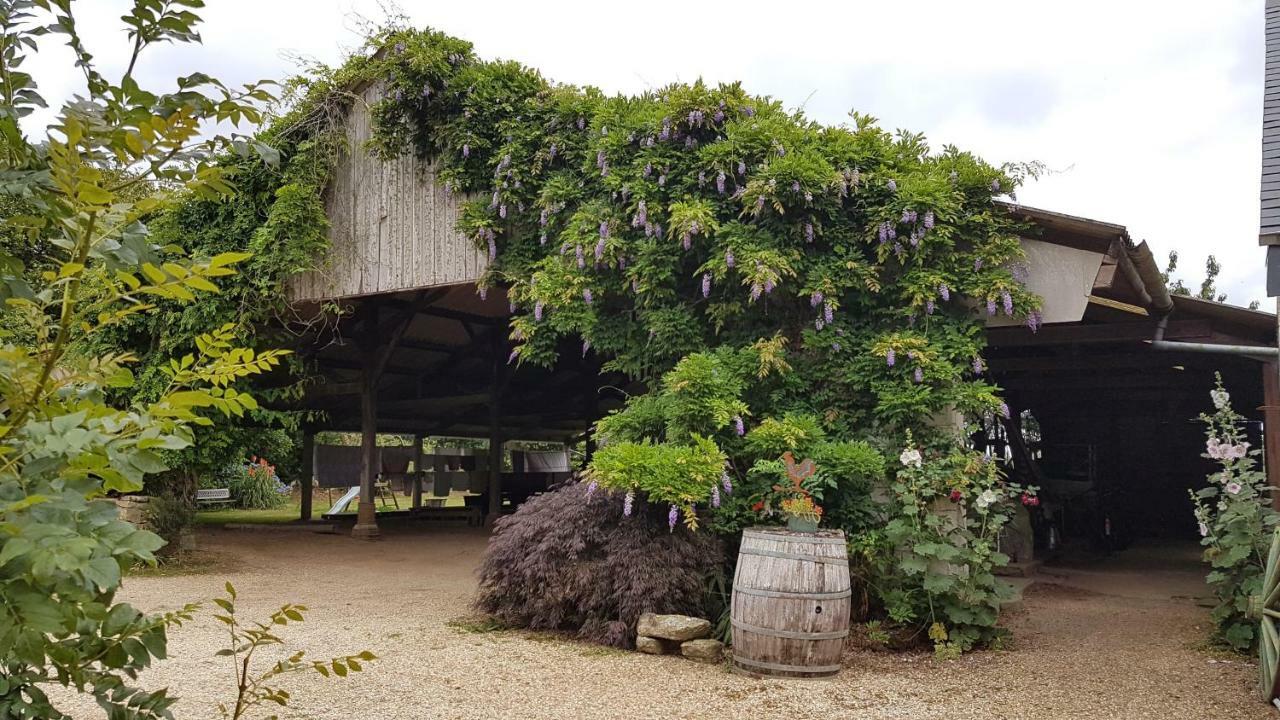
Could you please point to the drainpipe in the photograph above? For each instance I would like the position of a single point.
(1251, 351)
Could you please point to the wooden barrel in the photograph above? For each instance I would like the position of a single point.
(790, 603)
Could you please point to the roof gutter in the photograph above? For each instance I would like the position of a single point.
(1143, 265)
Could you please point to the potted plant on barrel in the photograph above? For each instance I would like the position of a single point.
(793, 501)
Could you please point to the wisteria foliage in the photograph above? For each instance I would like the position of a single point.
(650, 227)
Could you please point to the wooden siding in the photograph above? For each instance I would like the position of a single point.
(391, 226)
(1269, 230)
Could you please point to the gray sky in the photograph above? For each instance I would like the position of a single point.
(1148, 113)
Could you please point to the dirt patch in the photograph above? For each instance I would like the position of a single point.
(1077, 653)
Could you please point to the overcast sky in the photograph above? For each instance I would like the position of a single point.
(1148, 113)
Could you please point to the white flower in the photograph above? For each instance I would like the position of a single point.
(1234, 488)
(1204, 530)
(986, 499)
(911, 458)
(1221, 398)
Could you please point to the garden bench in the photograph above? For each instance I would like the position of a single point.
(213, 496)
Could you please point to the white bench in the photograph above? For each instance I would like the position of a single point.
(213, 496)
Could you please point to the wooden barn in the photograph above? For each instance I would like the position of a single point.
(1112, 381)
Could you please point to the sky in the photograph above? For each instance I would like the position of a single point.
(1147, 114)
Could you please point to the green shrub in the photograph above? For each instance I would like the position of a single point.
(255, 486)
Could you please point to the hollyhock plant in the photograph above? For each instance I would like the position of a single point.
(1236, 520)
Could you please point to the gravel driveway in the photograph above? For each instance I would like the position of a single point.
(1077, 653)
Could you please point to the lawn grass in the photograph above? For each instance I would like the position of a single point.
(291, 510)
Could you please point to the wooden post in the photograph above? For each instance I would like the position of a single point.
(417, 471)
(1271, 428)
(366, 517)
(308, 478)
(495, 428)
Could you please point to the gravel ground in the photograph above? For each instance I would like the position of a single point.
(1077, 653)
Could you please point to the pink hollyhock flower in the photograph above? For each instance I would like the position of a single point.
(1234, 487)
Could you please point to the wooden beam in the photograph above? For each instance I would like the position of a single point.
(307, 480)
(495, 426)
(366, 526)
(417, 471)
(1271, 428)
(1134, 332)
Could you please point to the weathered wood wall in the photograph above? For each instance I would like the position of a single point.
(391, 225)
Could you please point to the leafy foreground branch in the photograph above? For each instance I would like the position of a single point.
(257, 689)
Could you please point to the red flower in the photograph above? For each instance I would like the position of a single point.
(758, 507)
(956, 496)
(1030, 500)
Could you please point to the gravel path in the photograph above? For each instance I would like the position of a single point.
(1077, 654)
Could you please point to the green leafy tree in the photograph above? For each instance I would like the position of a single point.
(63, 446)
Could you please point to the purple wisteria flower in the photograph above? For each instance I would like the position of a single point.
(466, 150)
(537, 311)
(808, 232)
(600, 159)
(542, 217)
(600, 249)
(706, 285)
(891, 357)
(892, 185)
(673, 517)
(928, 306)
(835, 346)
(728, 257)
(502, 211)
(978, 365)
(738, 426)
(928, 220)
(883, 233)
(748, 111)
(720, 182)
(719, 116)
(577, 251)
(586, 296)
(542, 239)
(977, 264)
(1007, 300)
(686, 241)
(818, 324)
(512, 357)
(551, 152)
(702, 178)
(991, 306)
(726, 483)
(715, 496)
(769, 286)
(627, 502)
(742, 167)
(795, 186)
(591, 488)
(648, 170)
(493, 247)
(756, 290)
(641, 217)
(919, 375)
(586, 345)
(662, 180)
(1004, 410)
(828, 313)
(944, 292)
(815, 298)
(604, 229)
(493, 203)
(582, 123)
(995, 186)
(1034, 320)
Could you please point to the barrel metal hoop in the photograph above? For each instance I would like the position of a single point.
(785, 668)
(797, 556)
(791, 634)
(807, 540)
(837, 595)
